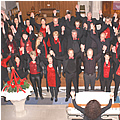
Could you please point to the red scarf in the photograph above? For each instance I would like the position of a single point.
(116, 49)
(43, 30)
(51, 76)
(27, 29)
(118, 27)
(45, 48)
(60, 50)
(118, 71)
(107, 32)
(106, 70)
(4, 61)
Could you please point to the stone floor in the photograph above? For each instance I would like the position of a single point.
(38, 112)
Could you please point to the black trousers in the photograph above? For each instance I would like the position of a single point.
(34, 79)
(105, 82)
(59, 62)
(54, 90)
(89, 79)
(99, 68)
(117, 82)
(69, 78)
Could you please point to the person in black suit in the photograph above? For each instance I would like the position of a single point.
(93, 110)
(88, 20)
(116, 71)
(70, 70)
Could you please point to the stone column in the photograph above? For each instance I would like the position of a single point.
(96, 6)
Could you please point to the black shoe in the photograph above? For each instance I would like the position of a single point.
(41, 97)
(47, 89)
(5, 99)
(56, 99)
(36, 98)
(66, 99)
(27, 98)
(51, 98)
(114, 99)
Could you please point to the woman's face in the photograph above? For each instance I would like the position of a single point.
(17, 59)
(50, 60)
(33, 57)
(43, 22)
(40, 38)
(16, 21)
(55, 37)
(10, 37)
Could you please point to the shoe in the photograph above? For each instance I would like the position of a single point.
(27, 98)
(51, 98)
(66, 99)
(114, 99)
(41, 97)
(56, 99)
(5, 99)
(47, 89)
(36, 98)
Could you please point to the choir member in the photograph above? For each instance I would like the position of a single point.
(116, 72)
(35, 70)
(52, 78)
(106, 73)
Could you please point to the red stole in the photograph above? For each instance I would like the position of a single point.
(28, 46)
(27, 29)
(118, 70)
(107, 32)
(4, 61)
(118, 27)
(43, 30)
(51, 76)
(106, 70)
(45, 48)
(116, 49)
(58, 41)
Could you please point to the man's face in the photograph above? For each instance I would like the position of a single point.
(89, 16)
(70, 53)
(69, 16)
(89, 53)
(74, 34)
(102, 36)
(77, 24)
(55, 21)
